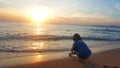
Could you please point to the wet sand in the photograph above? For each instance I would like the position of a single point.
(107, 59)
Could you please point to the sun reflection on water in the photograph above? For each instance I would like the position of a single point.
(38, 29)
(37, 45)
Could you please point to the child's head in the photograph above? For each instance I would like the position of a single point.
(76, 37)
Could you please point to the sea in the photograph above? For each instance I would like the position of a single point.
(26, 39)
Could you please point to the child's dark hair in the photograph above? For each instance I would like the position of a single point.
(76, 37)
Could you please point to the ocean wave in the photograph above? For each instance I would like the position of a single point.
(34, 37)
(34, 50)
(53, 37)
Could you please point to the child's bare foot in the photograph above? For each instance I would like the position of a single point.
(70, 55)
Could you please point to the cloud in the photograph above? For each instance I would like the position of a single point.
(117, 6)
(3, 4)
(94, 16)
(84, 18)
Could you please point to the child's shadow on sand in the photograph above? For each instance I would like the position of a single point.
(88, 64)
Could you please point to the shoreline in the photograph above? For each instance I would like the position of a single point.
(96, 60)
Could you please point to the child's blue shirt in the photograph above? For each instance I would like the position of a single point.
(82, 49)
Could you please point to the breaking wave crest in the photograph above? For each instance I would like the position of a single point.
(53, 37)
(34, 50)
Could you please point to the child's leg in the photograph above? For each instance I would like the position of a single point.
(79, 58)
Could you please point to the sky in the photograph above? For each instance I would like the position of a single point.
(63, 11)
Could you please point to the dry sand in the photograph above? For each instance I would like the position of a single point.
(109, 58)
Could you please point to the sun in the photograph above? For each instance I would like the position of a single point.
(38, 15)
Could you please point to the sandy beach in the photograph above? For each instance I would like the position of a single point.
(107, 59)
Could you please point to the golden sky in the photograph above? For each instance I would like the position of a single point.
(61, 11)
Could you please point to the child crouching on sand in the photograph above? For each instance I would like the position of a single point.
(79, 48)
